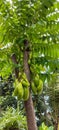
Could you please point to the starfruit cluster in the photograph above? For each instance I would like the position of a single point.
(37, 85)
(22, 88)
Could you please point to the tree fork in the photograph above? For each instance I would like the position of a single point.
(29, 103)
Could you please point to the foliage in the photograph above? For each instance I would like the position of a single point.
(24, 18)
(44, 127)
(6, 89)
(6, 86)
(12, 119)
(53, 93)
(35, 21)
(42, 109)
(8, 101)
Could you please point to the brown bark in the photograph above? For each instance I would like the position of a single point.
(29, 103)
(56, 119)
(13, 129)
(31, 122)
(56, 124)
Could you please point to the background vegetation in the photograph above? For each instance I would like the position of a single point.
(29, 43)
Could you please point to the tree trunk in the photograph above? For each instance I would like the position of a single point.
(29, 103)
(30, 114)
(58, 125)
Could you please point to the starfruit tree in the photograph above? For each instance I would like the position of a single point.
(28, 29)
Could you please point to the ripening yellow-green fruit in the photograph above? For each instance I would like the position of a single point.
(34, 88)
(20, 91)
(40, 87)
(16, 83)
(15, 93)
(36, 80)
(24, 76)
(25, 83)
(26, 93)
(20, 74)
